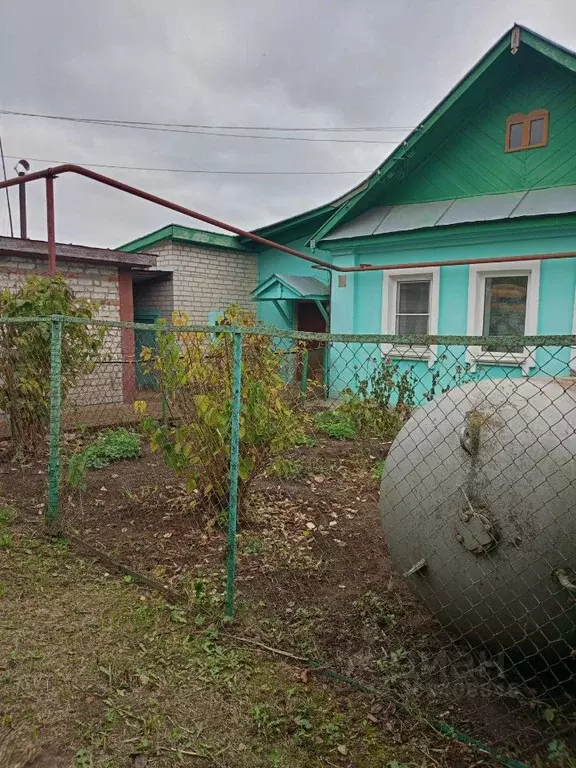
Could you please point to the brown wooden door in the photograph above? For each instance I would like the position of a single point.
(309, 318)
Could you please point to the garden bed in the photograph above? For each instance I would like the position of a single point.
(313, 579)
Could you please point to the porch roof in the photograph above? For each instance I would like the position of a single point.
(291, 288)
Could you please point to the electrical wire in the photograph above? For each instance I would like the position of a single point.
(7, 190)
(142, 127)
(372, 128)
(196, 170)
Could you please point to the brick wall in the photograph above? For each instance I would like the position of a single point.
(154, 295)
(207, 279)
(94, 281)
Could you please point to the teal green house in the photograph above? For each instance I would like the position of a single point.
(489, 174)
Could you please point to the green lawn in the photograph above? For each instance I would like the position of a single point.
(95, 671)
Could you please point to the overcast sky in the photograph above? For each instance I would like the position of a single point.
(306, 63)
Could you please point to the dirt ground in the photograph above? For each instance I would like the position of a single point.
(313, 579)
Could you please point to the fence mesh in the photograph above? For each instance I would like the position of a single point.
(397, 510)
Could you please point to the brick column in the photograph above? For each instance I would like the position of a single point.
(127, 334)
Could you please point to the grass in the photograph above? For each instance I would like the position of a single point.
(93, 670)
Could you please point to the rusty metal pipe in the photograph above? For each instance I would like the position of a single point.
(101, 178)
(50, 225)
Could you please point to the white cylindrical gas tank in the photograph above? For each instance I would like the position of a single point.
(478, 504)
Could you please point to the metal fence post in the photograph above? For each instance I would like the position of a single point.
(53, 508)
(326, 370)
(233, 474)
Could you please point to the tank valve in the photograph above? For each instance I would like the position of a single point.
(421, 565)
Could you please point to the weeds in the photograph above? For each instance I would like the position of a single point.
(336, 424)
(251, 545)
(111, 445)
(288, 468)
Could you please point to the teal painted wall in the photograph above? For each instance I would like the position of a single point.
(358, 307)
(271, 261)
(472, 160)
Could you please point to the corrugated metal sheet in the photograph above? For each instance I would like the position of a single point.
(415, 216)
(539, 202)
(483, 208)
(466, 210)
(305, 286)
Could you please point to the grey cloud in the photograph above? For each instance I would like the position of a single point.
(269, 62)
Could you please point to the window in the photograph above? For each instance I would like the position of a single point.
(503, 301)
(505, 307)
(410, 307)
(527, 131)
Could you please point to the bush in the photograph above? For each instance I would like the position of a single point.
(194, 371)
(25, 353)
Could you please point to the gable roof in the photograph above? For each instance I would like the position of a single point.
(481, 79)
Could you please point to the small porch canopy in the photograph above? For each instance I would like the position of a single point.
(279, 288)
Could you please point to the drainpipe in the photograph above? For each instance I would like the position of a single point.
(22, 167)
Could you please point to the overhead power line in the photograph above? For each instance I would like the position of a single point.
(351, 129)
(3, 157)
(199, 132)
(194, 170)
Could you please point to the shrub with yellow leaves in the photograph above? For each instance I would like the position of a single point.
(195, 373)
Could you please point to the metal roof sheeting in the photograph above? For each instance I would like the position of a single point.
(510, 205)
(302, 287)
(306, 286)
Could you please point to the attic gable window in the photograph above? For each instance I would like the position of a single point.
(527, 131)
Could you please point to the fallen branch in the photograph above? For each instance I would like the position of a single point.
(269, 648)
(114, 565)
(182, 751)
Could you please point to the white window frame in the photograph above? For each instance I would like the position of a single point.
(573, 349)
(391, 278)
(476, 296)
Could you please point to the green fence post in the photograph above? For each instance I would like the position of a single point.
(233, 474)
(53, 508)
(304, 377)
(326, 370)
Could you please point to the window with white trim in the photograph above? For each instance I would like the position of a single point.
(410, 307)
(503, 301)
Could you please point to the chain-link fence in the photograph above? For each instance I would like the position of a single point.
(395, 510)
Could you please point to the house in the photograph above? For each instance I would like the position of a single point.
(489, 174)
(100, 274)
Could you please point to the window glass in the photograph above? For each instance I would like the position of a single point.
(412, 306)
(515, 135)
(505, 309)
(537, 131)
